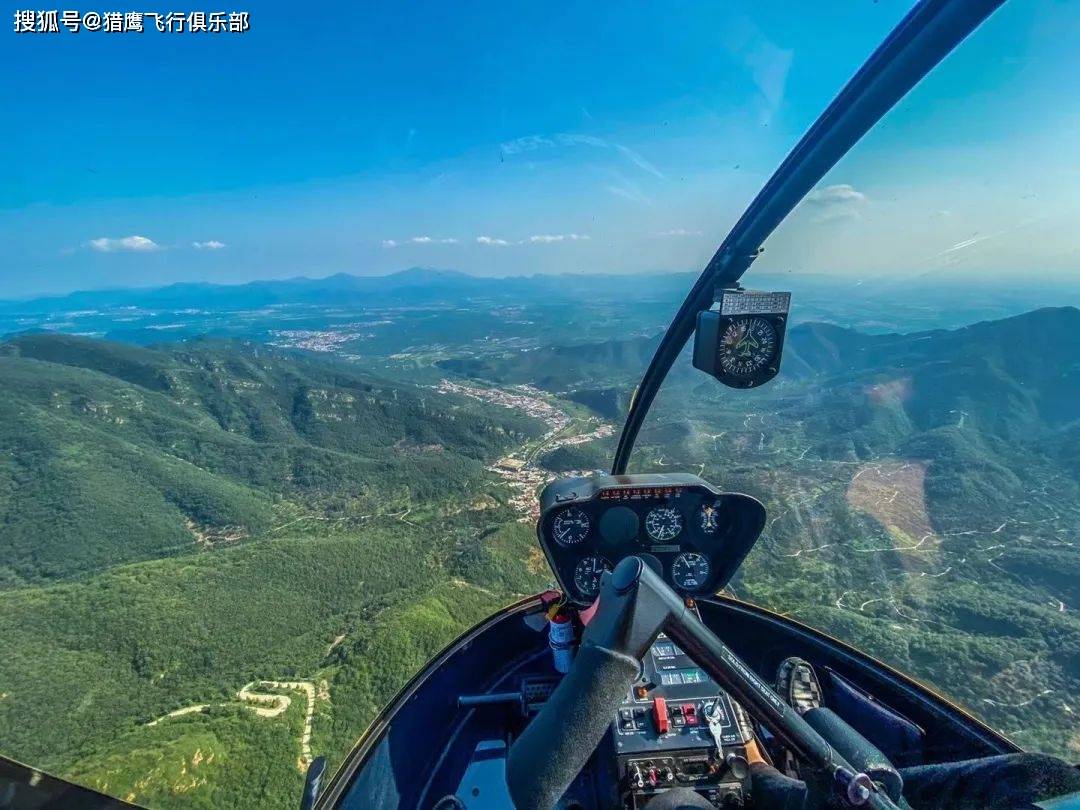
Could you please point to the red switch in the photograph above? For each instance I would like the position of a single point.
(659, 707)
(689, 711)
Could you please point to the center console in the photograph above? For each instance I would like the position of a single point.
(662, 734)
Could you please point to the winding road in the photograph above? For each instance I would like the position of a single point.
(266, 704)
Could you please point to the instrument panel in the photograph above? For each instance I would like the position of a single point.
(689, 532)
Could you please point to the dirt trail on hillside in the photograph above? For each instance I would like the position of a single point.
(266, 704)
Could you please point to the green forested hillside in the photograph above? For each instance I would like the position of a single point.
(92, 663)
(176, 523)
(216, 443)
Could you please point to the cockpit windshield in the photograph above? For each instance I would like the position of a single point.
(298, 318)
(915, 454)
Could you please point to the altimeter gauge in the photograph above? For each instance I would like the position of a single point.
(570, 526)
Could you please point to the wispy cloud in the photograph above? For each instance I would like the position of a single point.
(212, 244)
(531, 143)
(966, 243)
(639, 161)
(106, 244)
(420, 240)
(767, 64)
(678, 232)
(954, 254)
(493, 241)
(527, 143)
(838, 201)
(547, 238)
(629, 191)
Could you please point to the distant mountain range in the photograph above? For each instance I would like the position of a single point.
(1011, 372)
(415, 285)
(817, 296)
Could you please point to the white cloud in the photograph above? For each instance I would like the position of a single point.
(678, 232)
(546, 238)
(431, 240)
(133, 243)
(570, 139)
(419, 240)
(841, 192)
(836, 201)
(211, 244)
(491, 240)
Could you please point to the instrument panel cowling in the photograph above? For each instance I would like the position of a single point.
(692, 534)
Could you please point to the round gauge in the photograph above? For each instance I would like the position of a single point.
(663, 524)
(709, 518)
(747, 346)
(587, 575)
(690, 571)
(570, 526)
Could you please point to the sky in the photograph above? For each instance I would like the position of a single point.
(513, 138)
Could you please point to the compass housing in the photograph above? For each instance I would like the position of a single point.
(741, 340)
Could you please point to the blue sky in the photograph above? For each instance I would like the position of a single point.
(505, 138)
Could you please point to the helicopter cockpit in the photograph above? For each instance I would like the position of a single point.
(639, 680)
(635, 683)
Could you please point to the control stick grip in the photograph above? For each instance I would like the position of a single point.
(558, 742)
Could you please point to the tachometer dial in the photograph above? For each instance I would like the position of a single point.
(709, 518)
(663, 524)
(570, 526)
(690, 571)
(747, 346)
(587, 575)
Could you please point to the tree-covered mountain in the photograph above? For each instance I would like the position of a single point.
(431, 310)
(180, 521)
(214, 443)
(1011, 373)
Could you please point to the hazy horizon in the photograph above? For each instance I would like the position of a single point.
(997, 283)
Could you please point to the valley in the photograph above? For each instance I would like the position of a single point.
(520, 469)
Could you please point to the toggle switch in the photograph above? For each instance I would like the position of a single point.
(660, 715)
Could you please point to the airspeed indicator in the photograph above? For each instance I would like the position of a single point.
(663, 524)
